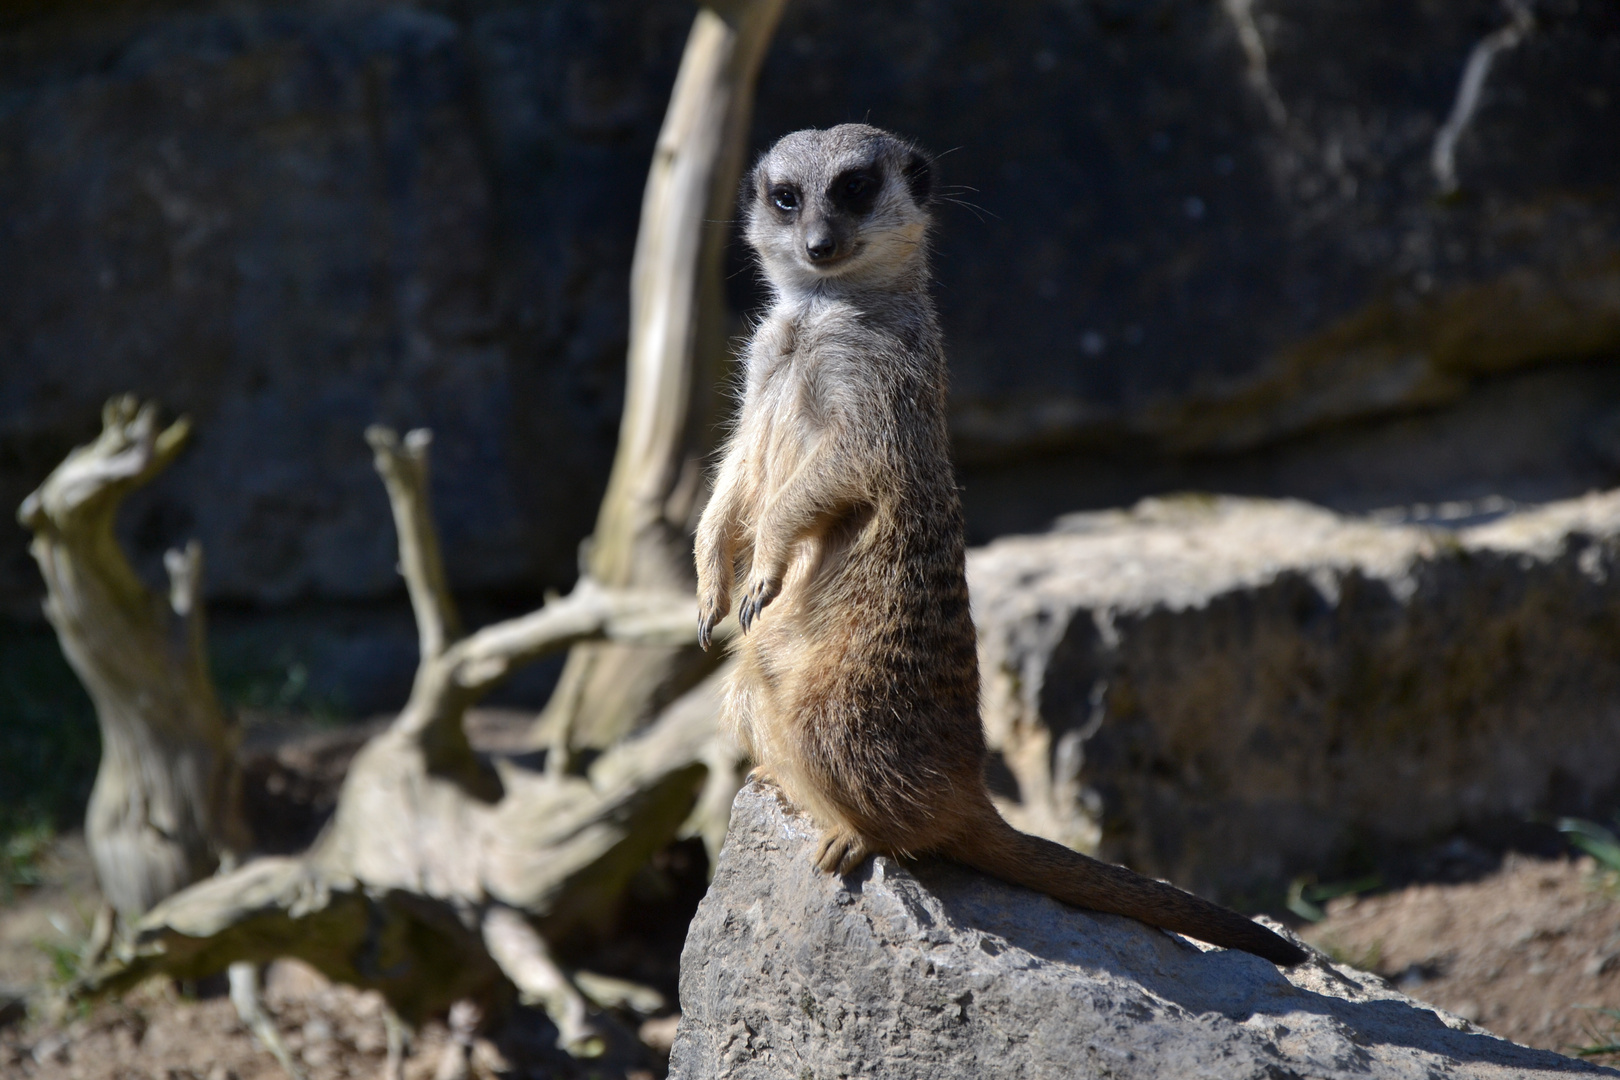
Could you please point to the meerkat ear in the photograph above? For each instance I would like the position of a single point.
(919, 174)
(752, 188)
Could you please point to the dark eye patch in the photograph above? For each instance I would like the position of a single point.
(855, 190)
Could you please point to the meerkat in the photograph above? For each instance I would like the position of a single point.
(856, 687)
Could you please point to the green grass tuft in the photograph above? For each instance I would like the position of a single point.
(1593, 839)
(1306, 896)
(20, 857)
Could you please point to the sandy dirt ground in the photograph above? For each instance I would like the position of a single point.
(1529, 950)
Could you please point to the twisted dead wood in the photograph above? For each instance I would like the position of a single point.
(164, 808)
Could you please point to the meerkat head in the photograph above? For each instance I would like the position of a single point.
(841, 208)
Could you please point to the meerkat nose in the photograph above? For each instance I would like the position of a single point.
(820, 247)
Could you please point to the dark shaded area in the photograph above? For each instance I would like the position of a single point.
(49, 745)
(293, 220)
(644, 942)
(291, 779)
(1527, 436)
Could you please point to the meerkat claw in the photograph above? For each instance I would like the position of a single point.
(708, 617)
(759, 594)
(840, 852)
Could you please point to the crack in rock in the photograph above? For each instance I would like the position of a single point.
(1475, 72)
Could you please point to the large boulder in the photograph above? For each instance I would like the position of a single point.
(933, 971)
(1213, 230)
(1232, 692)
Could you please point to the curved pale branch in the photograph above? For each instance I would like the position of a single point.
(589, 613)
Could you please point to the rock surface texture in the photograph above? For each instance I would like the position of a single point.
(1219, 253)
(1229, 693)
(934, 971)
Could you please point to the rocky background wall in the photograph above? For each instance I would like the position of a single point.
(1260, 246)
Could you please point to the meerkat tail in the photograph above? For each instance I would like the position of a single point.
(1077, 879)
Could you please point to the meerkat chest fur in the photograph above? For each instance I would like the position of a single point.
(826, 377)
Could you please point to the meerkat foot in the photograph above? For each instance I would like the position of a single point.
(840, 851)
(765, 778)
(760, 592)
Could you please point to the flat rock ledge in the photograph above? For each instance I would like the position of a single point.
(931, 970)
(1231, 693)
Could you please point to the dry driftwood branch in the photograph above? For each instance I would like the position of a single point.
(441, 875)
(404, 471)
(164, 807)
(677, 341)
(249, 1003)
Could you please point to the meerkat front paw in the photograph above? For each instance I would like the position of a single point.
(761, 591)
(841, 851)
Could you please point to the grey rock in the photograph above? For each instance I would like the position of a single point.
(1218, 258)
(1231, 692)
(931, 970)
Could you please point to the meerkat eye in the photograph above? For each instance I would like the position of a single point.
(785, 199)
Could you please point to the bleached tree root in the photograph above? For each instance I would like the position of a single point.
(442, 874)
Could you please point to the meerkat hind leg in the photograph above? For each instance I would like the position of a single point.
(841, 850)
